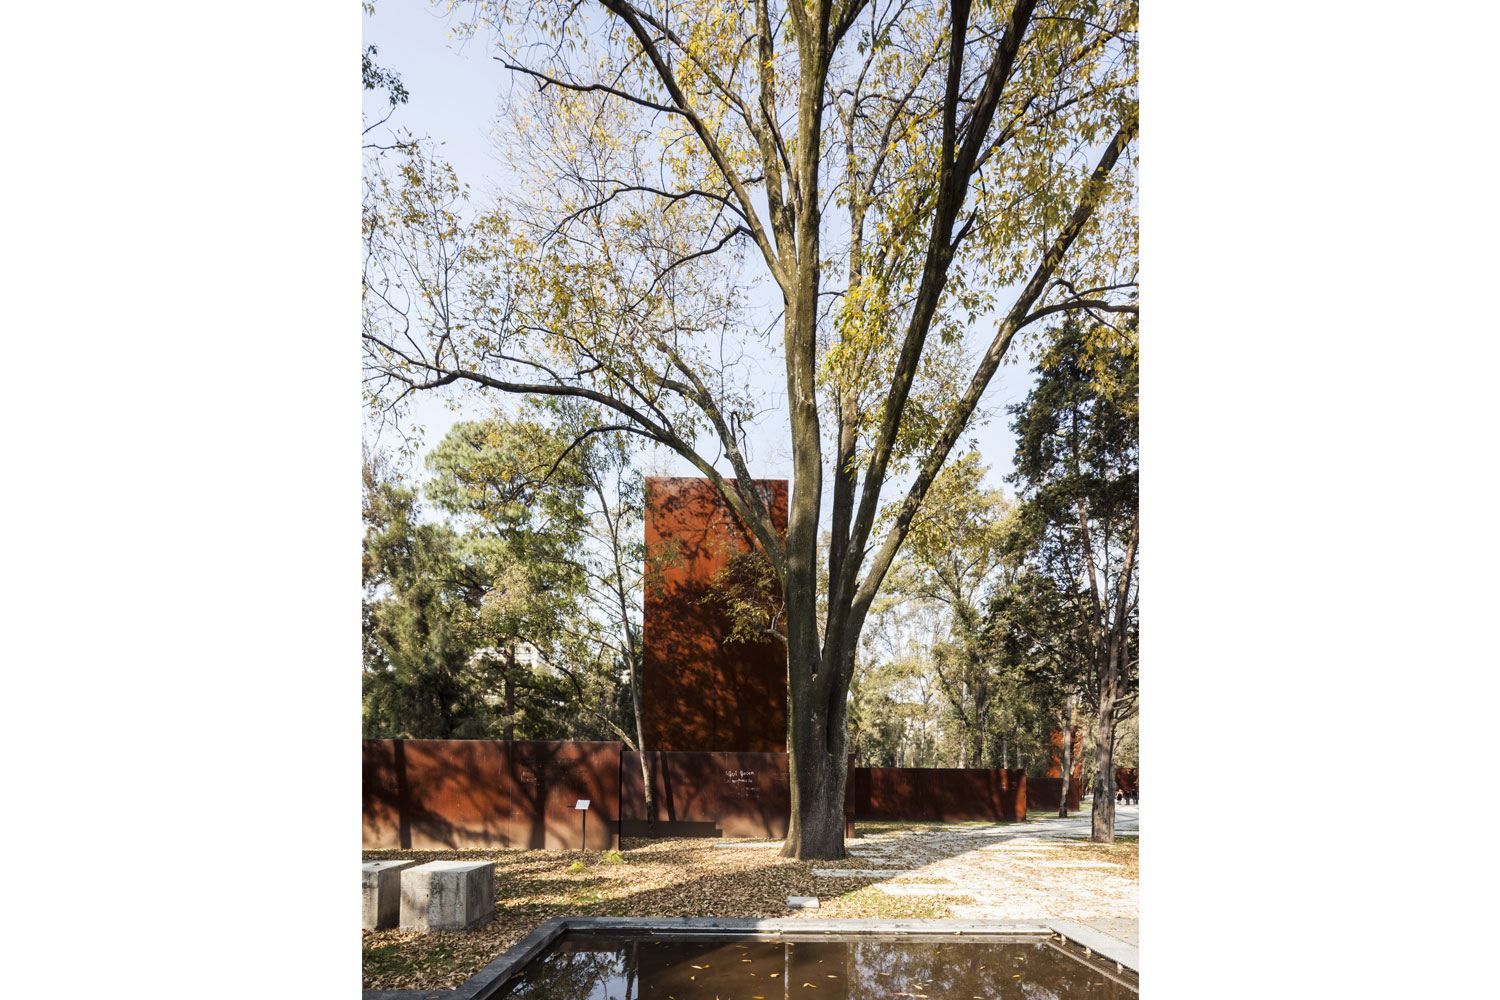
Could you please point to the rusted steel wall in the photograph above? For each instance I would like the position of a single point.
(1043, 794)
(1128, 780)
(463, 794)
(949, 794)
(712, 795)
(700, 693)
(1054, 770)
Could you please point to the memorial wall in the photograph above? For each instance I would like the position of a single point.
(714, 795)
(432, 795)
(699, 691)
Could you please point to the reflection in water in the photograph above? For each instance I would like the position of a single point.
(591, 968)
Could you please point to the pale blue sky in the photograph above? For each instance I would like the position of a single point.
(456, 88)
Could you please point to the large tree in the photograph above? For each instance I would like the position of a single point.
(524, 539)
(566, 509)
(895, 173)
(1077, 473)
(423, 619)
(465, 630)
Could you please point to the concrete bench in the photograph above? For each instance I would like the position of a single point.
(447, 896)
(380, 890)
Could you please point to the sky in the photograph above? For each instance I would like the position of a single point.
(455, 89)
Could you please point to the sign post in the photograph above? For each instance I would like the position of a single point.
(582, 805)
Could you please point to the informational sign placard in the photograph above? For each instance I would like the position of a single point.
(581, 804)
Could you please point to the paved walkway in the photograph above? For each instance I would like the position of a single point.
(1121, 928)
(1046, 868)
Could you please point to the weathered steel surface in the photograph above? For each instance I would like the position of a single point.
(1128, 780)
(699, 692)
(948, 794)
(1043, 794)
(487, 794)
(549, 778)
(1054, 769)
(712, 795)
(434, 794)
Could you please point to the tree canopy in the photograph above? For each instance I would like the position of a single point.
(895, 174)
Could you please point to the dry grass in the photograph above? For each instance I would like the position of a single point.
(1124, 851)
(653, 878)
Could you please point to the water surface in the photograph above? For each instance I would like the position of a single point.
(864, 968)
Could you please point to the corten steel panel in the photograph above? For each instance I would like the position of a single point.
(1054, 769)
(949, 794)
(380, 809)
(546, 779)
(1042, 794)
(713, 795)
(433, 794)
(699, 692)
(487, 794)
(1128, 780)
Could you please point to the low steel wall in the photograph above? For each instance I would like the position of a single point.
(702, 794)
(949, 794)
(488, 794)
(1044, 795)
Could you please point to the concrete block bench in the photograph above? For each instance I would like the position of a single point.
(380, 890)
(447, 896)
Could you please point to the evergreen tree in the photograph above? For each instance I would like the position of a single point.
(419, 631)
(1077, 475)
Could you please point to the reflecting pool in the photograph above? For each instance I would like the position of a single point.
(579, 967)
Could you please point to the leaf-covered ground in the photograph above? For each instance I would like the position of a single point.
(931, 867)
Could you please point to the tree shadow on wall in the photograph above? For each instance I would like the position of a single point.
(487, 794)
(702, 691)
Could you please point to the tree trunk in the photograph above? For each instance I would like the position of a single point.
(1067, 758)
(640, 742)
(817, 826)
(510, 694)
(976, 737)
(817, 764)
(632, 649)
(1104, 769)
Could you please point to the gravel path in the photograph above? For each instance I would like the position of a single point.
(1029, 871)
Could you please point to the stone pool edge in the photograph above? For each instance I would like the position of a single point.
(488, 981)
